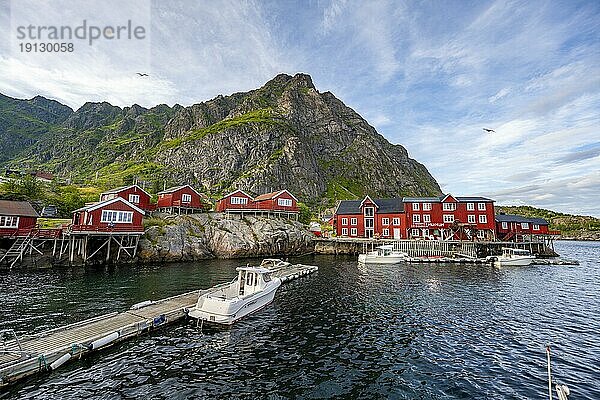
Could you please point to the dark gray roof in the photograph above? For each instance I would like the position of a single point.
(393, 205)
(519, 219)
(17, 208)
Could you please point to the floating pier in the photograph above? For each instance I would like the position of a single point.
(28, 355)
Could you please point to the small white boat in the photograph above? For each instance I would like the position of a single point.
(517, 257)
(382, 255)
(253, 289)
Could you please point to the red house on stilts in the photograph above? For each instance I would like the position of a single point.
(113, 215)
(17, 218)
(280, 204)
(180, 199)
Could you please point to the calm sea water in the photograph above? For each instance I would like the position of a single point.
(404, 332)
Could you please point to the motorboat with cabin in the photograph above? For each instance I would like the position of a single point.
(511, 256)
(253, 289)
(384, 254)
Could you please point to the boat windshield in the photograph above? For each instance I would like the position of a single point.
(267, 277)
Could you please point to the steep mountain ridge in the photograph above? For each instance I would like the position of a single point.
(284, 134)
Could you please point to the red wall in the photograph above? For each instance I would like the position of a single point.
(516, 228)
(174, 199)
(144, 203)
(84, 218)
(225, 203)
(24, 223)
(378, 228)
(272, 204)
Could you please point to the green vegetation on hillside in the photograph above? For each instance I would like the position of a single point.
(569, 225)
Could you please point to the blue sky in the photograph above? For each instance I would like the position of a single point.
(428, 75)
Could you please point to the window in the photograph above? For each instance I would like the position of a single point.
(186, 198)
(426, 206)
(448, 218)
(239, 200)
(344, 231)
(344, 221)
(536, 227)
(481, 206)
(414, 232)
(134, 198)
(353, 221)
(353, 232)
(470, 206)
(385, 221)
(471, 219)
(483, 219)
(369, 223)
(116, 217)
(9, 222)
(369, 211)
(425, 232)
(396, 221)
(426, 218)
(416, 218)
(386, 232)
(415, 206)
(505, 225)
(480, 234)
(284, 202)
(524, 225)
(449, 206)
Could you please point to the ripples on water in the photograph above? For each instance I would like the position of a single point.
(427, 332)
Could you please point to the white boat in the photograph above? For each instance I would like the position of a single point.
(253, 289)
(517, 257)
(382, 255)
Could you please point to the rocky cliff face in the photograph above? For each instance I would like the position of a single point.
(204, 236)
(285, 134)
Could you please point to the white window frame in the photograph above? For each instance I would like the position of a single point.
(186, 198)
(426, 206)
(396, 221)
(471, 218)
(238, 200)
(480, 234)
(448, 218)
(426, 218)
(524, 225)
(369, 223)
(369, 211)
(344, 221)
(536, 227)
(483, 219)
(449, 206)
(353, 232)
(386, 232)
(354, 221)
(385, 221)
(504, 225)
(415, 232)
(416, 218)
(134, 198)
(344, 231)
(116, 217)
(9, 221)
(284, 202)
(470, 206)
(415, 206)
(481, 206)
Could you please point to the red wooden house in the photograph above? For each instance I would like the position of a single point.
(450, 218)
(112, 215)
(515, 227)
(17, 218)
(180, 199)
(133, 194)
(368, 218)
(279, 203)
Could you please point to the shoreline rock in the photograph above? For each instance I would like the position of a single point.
(206, 236)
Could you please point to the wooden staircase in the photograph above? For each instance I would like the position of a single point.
(15, 253)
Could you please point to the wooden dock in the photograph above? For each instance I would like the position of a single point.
(29, 355)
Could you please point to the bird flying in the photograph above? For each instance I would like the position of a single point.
(489, 130)
(141, 74)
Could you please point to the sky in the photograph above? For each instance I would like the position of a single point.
(429, 75)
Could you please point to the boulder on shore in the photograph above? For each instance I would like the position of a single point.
(205, 236)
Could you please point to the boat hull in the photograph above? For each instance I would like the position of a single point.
(373, 259)
(520, 261)
(228, 311)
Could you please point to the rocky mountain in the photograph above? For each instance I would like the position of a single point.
(285, 134)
